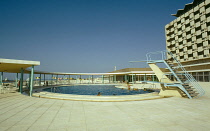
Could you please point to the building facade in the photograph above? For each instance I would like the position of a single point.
(136, 74)
(188, 38)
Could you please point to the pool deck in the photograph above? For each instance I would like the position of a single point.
(23, 113)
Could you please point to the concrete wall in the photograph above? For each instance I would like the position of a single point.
(188, 36)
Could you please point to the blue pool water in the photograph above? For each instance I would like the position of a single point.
(94, 90)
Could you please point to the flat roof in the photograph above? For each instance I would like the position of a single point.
(187, 7)
(14, 66)
(113, 73)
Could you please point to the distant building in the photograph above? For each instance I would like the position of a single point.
(136, 74)
(188, 37)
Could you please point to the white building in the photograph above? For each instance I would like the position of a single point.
(188, 37)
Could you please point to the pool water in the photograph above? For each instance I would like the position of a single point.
(94, 90)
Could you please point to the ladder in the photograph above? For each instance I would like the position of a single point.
(184, 80)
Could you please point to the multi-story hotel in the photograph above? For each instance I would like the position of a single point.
(188, 38)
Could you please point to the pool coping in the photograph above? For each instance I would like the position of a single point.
(73, 97)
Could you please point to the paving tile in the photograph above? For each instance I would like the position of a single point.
(19, 128)
(49, 114)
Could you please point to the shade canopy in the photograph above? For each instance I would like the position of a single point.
(14, 66)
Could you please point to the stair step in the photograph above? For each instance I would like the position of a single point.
(191, 92)
(193, 95)
(185, 84)
(189, 89)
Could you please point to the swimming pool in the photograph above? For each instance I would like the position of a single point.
(94, 90)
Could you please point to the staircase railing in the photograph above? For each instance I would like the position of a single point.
(188, 76)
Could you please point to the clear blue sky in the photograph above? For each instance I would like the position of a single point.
(84, 35)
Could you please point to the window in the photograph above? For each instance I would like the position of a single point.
(198, 28)
(197, 20)
(197, 12)
(178, 22)
(188, 32)
(199, 44)
(200, 53)
(190, 55)
(190, 47)
(206, 76)
(208, 23)
(200, 76)
(189, 40)
(199, 36)
(207, 6)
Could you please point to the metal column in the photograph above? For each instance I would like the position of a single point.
(16, 81)
(21, 80)
(57, 80)
(115, 78)
(144, 77)
(40, 79)
(31, 80)
(69, 79)
(44, 80)
(1, 78)
(89, 80)
(132, 78)
(126, 78)
(103, 79)
(80, 79)
(52, 80)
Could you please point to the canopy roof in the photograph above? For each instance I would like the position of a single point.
(14, 66)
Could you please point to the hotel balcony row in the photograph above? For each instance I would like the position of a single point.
(199, 12)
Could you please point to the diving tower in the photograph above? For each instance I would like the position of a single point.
(177, 81)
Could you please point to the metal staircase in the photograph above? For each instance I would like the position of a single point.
(183, 80)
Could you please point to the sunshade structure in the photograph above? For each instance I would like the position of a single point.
(18, 66)
(25, 66)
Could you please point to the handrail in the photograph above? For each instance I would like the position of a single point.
(188, 76)
(163, 55)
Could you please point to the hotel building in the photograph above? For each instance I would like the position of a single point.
(188, 38)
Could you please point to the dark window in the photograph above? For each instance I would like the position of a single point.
(199, 36)
(206, 78)
(200, 53)
(197, 12)
(208, 23)
(198, 28)
(186, 17)
(190, 55)
(188, 32)
(207, 6)
(207, 15)
(197, 20)
(179, 29)
(188, 40)
(187, 25)
(190, 47)
(199, 44)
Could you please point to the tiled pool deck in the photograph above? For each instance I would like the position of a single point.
(21, 113)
